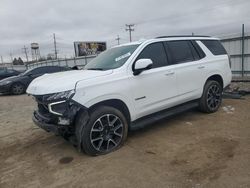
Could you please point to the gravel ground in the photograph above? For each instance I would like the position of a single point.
(188, 150)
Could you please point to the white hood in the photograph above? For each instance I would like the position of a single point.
(62, 81)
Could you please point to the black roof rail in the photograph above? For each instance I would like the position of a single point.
(181, 36)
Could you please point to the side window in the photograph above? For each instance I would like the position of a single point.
(198, 50)
(181, 51)
(54, 69)
(215, 47)
(156, 53)
(35, 71)
(40, 70)
(46, 69)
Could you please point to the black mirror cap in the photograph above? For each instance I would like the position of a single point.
(139, 71)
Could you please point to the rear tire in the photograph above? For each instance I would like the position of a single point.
(17, 89)
(106, 131)
(211, 98)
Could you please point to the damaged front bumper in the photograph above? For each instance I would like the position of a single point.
(56, 116)
(41, 122)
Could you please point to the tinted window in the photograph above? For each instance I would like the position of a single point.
(215, 47)
(55, 69)
(156, 53)
(198, 49)
(181, 51)
(40, 70)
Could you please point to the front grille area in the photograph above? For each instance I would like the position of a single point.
(42, 105)
(42, 108)
(68, 109)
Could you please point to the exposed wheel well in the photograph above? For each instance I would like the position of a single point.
(217, 78)
(116, 103)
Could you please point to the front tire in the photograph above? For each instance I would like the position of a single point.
(17, 89)
(211, 98)
(105, 131)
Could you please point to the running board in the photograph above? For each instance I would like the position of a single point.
(144, 121)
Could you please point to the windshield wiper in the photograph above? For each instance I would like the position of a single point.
(95, 69)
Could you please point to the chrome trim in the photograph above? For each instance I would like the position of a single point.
(54, 103)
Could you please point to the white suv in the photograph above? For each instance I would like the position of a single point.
(129, 86)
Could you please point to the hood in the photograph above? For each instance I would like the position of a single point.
(62, 81)
(12, 78)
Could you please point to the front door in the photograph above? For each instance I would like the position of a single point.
(153, 90)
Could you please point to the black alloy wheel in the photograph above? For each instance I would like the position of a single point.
(211, 98)
(106, 132)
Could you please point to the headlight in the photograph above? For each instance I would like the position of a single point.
(61, 96)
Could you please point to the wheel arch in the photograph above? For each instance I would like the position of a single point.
(218, 78)
(116, 103)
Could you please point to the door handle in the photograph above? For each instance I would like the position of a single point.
(201, 67)
(169, 73)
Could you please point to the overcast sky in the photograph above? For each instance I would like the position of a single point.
(26, 21)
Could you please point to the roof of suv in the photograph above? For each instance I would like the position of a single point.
(175, 36)
(171, 38)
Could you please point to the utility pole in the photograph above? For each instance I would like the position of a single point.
(54, 36)
(11, 57)
(118, 39)
(129, 27)
(243, 50)
(25, 50)
(2, 59)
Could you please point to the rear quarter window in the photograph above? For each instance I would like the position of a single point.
(215, 47)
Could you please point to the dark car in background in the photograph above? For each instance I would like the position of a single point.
(17, 85)
(5, 73)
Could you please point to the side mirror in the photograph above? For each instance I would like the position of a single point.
(142, 65)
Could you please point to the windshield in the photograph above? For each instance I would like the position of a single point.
(112, 58)
(26, 72)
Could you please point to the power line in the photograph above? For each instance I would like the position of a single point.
(54, 36)
(25, 50)
(118, 39)
(129, 27)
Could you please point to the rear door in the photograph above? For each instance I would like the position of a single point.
(189, 65)
(153, 89)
